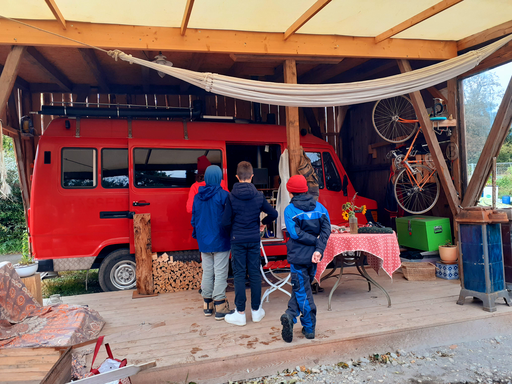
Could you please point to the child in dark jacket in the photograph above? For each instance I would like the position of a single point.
(308, 224)
(242, 220)
(214, 245)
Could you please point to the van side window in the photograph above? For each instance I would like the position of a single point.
(79, 168)
(332, 177)
(169, 168)
(114, 168)
(316, 162)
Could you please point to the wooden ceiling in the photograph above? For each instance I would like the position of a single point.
(54, 64)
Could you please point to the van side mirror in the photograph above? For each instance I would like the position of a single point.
(344, 186)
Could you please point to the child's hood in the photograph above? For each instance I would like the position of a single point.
(208, 191)
(304, 202)
(244, 191)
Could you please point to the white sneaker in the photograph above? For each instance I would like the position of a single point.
(258, 315)
(236, 318)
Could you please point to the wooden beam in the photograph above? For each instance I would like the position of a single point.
(55, 75)
(9, 131)
(126, 37)
(422, 16)
(279, 58)
(500, 57)
(20, 82)
(433, 144)
(9, 75)
(143, 253)
(436, 93)
(484, 36)
(497, 135)
(292, 121)
(186, 16)
(92, 62)
(56, 12)
(305, 17)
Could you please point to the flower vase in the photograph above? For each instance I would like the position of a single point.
(352, 221)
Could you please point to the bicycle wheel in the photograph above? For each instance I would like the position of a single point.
(386, 115)
(414, 198)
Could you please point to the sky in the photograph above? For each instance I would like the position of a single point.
(504, 73)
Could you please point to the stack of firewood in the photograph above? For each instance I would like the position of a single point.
(174, 276)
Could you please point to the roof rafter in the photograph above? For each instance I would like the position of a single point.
(56, 12)
(306, 16)
(36, 58)
(223, 41)
(484, 36)
(92, 62)
(186, 16)
(422, 16)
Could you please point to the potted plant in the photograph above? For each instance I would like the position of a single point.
(27, 266)
(349, 214)
(448, 252)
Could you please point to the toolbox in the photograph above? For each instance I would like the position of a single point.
(426, 233)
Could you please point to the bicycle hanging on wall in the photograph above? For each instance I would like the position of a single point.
(416, 185)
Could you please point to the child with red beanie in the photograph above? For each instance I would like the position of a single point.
(308, 224)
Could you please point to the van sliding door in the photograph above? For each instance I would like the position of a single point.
(160, 181)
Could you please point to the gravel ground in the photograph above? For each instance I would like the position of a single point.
(483, 361)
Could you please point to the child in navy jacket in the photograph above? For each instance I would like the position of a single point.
(242, 220)
(308, 224)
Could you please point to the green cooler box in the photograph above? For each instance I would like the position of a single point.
(423, 232)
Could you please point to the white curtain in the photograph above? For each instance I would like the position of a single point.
(283, 198)
(325, 95)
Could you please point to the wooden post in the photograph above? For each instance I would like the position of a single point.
(492, 146)
(33, 284)
(292, 121)
(433, 144)
(452, 106)
(461, 124)
(143, 259)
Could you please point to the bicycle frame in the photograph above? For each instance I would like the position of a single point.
(410, 174)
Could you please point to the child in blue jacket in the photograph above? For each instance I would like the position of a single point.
(308, 224)
(214, 244)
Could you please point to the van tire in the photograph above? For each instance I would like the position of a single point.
(117, 271)
(186, 256)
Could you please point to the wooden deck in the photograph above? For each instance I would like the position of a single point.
(172, 329)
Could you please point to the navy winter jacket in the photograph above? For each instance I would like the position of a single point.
(242, 214)
(207, 214)
(309, 227)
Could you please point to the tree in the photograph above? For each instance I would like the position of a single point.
(12, 215)
(482, 94)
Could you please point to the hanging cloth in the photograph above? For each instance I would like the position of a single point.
(325, 95)
(283, 198)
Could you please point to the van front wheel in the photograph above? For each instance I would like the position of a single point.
(117, 271)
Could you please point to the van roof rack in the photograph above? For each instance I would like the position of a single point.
(115, 110)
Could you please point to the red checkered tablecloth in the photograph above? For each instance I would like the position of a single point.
(381, 249)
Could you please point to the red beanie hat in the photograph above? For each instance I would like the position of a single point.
(297, 184)
(202, 164)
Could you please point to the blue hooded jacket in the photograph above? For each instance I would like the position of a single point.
(207, 213)
(309, 227)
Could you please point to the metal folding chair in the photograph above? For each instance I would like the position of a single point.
(280, 281)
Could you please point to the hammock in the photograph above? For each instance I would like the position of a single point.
(324, 95)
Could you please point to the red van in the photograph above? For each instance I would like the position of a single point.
(90, 178)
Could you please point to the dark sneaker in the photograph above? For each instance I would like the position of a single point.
(309, 335)
(287, 332)
(208, 307)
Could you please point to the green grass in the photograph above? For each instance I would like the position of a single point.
(13, 245)
(70, 283)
